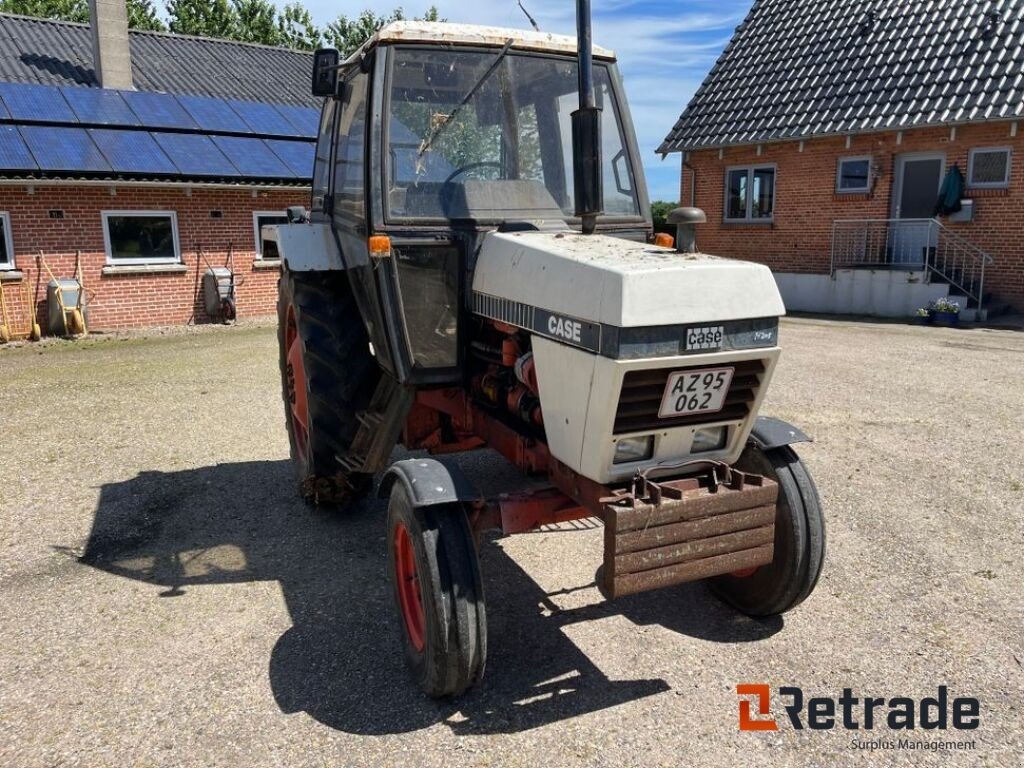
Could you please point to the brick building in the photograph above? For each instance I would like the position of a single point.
(820, 142)
(151, 155)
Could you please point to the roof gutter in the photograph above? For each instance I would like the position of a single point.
(842, 134)
(30, 182)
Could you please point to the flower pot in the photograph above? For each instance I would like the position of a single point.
(922, 319)
(946, 319)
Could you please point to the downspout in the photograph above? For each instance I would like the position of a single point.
(693, 179)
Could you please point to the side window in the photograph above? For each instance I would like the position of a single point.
(349, 195)
(322, 166)
(6, 247)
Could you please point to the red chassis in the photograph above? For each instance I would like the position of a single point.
(656, 533)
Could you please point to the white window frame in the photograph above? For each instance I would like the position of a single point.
(8, 254)
(1004, 184)
(748, 218)
(257, 241)
(839, 174)
(111, 261)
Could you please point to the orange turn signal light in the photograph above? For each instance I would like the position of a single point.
(380, 245)
(664, 240)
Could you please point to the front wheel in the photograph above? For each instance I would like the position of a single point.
(799, 539)
(438, 594)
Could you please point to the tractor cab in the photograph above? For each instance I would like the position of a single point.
(433, 135)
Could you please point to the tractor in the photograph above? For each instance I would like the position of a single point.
(477, 269)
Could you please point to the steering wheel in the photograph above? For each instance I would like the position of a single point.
(472, 166)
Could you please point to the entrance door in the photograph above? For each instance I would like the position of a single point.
(917, 184)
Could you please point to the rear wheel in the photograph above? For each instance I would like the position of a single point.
(438, 594)
(799, 539)
(328, 377)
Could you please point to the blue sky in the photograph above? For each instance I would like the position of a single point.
(664, 50)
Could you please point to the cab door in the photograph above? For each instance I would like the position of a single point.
(349, 210)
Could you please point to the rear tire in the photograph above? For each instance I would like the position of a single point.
(438, 594)
(799, 539)
(327, 377)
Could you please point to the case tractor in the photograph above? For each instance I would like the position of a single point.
(477, 270)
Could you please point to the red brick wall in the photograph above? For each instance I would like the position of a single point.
(799, 240)
(120, 301)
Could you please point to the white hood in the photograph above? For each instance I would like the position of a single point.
(620, 282)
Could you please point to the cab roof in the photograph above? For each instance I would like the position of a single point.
(472, 34)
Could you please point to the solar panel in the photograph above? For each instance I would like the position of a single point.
(14, 154)
(252, 157)
(195, 155)
(132, 151)
(212, 114)
(63, 149)
(4, 114)
(305, 119)
(99, 106)
(262, 118)
(297, 155)
(158, 110)
(28, 101)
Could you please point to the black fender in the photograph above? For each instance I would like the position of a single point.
(771, 433)
(429, 482)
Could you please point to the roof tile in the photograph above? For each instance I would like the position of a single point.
(799, 68)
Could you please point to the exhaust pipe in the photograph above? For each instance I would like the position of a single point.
(586, 129)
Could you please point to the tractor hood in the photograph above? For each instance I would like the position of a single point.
(609, 280)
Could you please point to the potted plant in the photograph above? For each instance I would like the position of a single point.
(946, 312)
(923, 316)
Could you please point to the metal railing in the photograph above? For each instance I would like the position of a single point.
(922, 244)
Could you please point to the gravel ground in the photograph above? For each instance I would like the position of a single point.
(167, 600)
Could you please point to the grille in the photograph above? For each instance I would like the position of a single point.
(640, 398)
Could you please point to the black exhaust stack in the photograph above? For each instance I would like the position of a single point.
(586, 129)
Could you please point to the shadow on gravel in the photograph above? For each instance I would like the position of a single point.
(341, 661)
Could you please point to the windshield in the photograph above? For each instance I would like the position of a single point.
(506, 152)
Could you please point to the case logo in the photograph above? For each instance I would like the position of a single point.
(571, 330)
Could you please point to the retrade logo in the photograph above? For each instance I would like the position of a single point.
(854, 713)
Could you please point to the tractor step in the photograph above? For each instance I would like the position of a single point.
(658, 534)
(379, 428)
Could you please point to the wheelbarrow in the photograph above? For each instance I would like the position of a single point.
(67, 301)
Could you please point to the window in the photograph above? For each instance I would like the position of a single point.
(471, 138)
(261, 219)
(349, 197)
(6, 246)
(853, 175)
(989, 167)
(750, 194)
(141, 237)
(322, 164)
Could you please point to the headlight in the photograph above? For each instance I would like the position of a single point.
(634, 449)
(712, 439)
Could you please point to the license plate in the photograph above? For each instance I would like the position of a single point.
(707, 337)
(689, 392)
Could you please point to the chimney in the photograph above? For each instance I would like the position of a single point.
(111, 56)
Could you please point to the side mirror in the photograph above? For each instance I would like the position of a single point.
(325, 71)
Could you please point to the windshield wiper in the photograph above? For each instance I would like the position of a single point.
(442, 124)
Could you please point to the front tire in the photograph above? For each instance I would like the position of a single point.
(438, 594)
(799, 539)
(328, 377)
